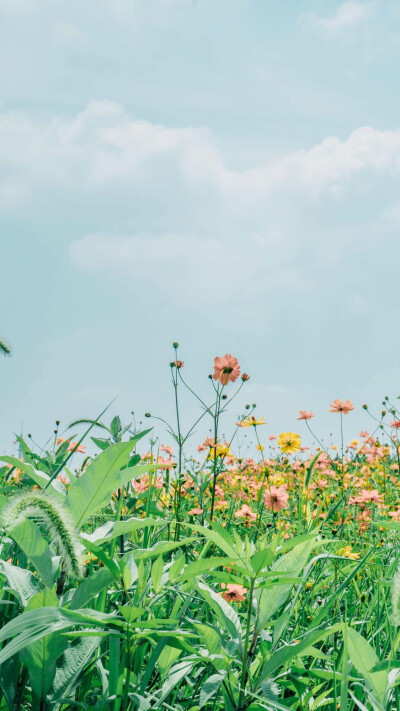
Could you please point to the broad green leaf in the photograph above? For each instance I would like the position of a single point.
(156, 572)
(272, 598)
(31, 541)
(91, 586)
(112, 529)
(210, 688)
(224, 543)
(33, 625)
(160, 548)
(70, 666)
(227, 615)
(290, 651)
(40, 656)
(40, 478)
(364, 659)
(21, 581)
(92, 490)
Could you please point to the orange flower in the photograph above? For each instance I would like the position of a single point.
(233, 592)
(344, 406)
(226, 369)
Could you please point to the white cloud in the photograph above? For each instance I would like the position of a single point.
(347, 14)
(103, 147)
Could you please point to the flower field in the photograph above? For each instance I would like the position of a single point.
(144, 570)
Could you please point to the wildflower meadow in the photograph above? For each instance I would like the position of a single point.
(143, 569)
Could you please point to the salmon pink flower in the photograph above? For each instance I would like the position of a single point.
(226, 369)
(395, 424)
(167, 449)
(246, 513)
(343, 406)
(195, 512)
(305, 415)
(276, 498)
(233, 592)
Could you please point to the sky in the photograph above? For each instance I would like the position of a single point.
(223, 174)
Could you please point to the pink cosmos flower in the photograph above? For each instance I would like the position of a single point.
(167, 450)
(246, 513)
(395, 424)
(80, 448)
(195, 512)
(143, 484)
(305, 415)
(364, 433)
(276, 498)
(226, 369)
(344, 406)
(367, 496)
(271, 437)
(233, 592)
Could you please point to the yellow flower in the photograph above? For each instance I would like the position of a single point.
(289, 442)
(221, 450)
(346, 552)
(260, 447)
(251, 421)
(334, 447)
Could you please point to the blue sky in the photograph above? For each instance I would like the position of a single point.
(221, 173)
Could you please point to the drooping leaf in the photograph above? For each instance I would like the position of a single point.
(21, 581)
(31, 541)
(39, 477)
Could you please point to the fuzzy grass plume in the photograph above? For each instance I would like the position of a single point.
(56, 520)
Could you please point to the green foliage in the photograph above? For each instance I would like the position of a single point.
(111, 598)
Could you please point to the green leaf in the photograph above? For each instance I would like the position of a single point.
(112, 529)
(40, 478)
(225, 543)
(21, 581)
(210, 688)
(270, 599)
(31, 541)
(156, 573)
(225, 612)
(364, 659)
(288, 652)
(91, 586)
(71, 665)
(92, 490)
(35, 624)
(40, 656)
